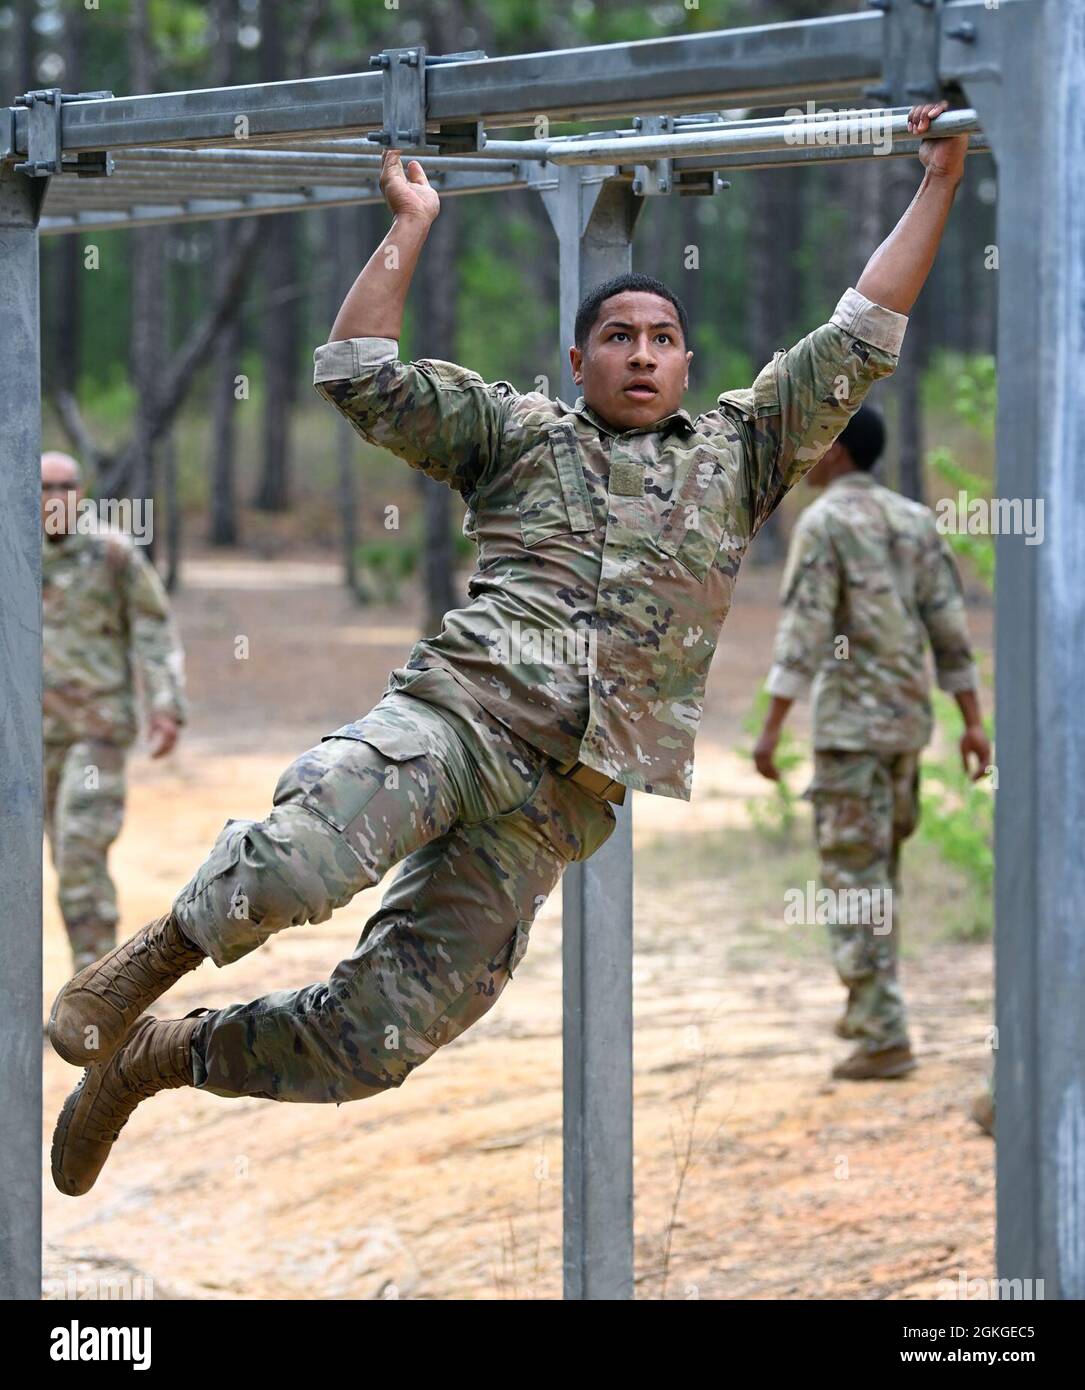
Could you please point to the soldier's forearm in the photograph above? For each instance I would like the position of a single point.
(374, 304)
(968, 702)
(896, 272)
(778, 710)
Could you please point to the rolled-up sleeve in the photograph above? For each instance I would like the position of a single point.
(439, 417)
(803, 398)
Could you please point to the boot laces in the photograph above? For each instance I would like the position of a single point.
(141, 969)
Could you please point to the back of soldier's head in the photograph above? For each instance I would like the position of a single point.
(864, 438)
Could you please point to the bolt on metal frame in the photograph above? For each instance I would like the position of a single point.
(175, 157)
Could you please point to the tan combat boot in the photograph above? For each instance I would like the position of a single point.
(156, 1056)
(94, 1011)
(884, 1065)
(983, 1112)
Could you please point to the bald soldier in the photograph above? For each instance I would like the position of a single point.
(610, 532)
(105, 619)
(869, 583)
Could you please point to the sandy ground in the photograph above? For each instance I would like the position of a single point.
(756, 1177)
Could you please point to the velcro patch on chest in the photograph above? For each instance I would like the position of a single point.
(626, 478)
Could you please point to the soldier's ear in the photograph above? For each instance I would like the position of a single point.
(576, 361)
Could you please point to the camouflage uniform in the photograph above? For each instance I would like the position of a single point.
(607, 560)
(868, 578)
(104, 615)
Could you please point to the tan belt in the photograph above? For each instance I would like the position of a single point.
(598, 783)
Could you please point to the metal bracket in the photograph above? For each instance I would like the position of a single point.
(404, 95)
(661, 176)
(657, 177)
(910, 52)
(42, 132)
(44, 155)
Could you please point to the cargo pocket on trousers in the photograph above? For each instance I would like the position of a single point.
(351, 783)
(484, 990)
(225, 853)
(845, 774)
(842, 793)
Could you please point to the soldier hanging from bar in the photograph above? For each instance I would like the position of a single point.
(617, 515)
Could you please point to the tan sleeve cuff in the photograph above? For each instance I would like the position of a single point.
(343, 361)
(788, 684)
(869, 322)
(954, 682)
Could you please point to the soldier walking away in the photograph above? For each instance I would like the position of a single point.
(868, 579)
(609, 534)
(105, 617)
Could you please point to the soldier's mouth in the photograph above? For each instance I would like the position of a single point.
(641, 392)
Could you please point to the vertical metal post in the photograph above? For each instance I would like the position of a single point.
(20, 741)
(1025, 73)
(594, 217)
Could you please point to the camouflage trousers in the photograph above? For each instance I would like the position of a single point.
(484, 827)
(84, 810)
(865, 806)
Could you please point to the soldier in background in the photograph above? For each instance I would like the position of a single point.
(868, 578)
(104, 615)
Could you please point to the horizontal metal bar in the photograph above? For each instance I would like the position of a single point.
(301, 158)
(819, 133)
(732, 67)
(782, 159)
(145, 213)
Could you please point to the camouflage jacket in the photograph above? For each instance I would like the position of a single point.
(868, 578)
(607, 558)
(104, 615)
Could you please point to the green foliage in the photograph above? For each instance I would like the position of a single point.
(971, 388)
(977, 395)
(386, 562)
(958, 814)
(502, 322)
(776, 817)
(958, 818)
(978, 550)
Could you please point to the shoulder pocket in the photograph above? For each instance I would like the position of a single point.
(693, 526)
(552, 494)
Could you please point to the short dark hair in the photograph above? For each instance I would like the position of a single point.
(588, 312)
(864, 438)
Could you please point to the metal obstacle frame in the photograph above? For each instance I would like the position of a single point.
(92, 161)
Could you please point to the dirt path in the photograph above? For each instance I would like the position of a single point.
(451, 1187)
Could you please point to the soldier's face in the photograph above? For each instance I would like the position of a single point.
(634, 369)
(61, 493)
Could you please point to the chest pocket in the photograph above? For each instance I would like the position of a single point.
(552, 494)
(693, 527)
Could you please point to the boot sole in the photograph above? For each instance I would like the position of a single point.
(60, 1140)
(890, 1073)
(73, 1058)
